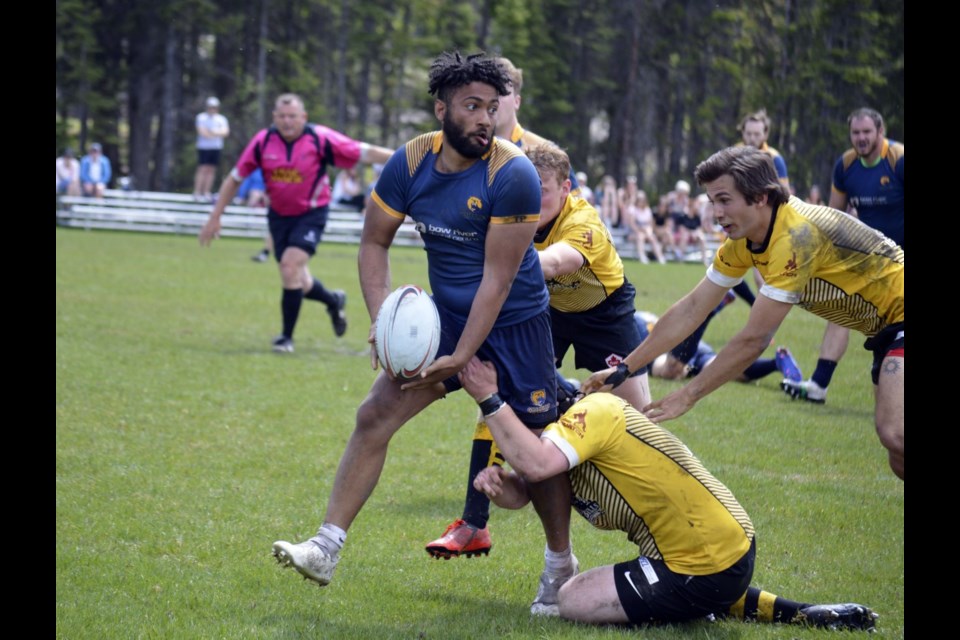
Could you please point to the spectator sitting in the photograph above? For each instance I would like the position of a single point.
(639, 217)
(68, 174)
(346, 189)
(377, 170)
(95, 171)
(586, 192)
(253, 191)
(609, 202)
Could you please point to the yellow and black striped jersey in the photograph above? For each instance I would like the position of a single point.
(824, 261)
(579, 226)
(631, 475)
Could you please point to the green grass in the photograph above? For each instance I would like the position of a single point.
(185, 448)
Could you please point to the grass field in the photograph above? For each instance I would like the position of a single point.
(185, 447)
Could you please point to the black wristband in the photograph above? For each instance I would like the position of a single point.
(490, 405)
(618, 376)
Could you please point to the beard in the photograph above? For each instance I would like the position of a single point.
(867, 150)
(461, 142)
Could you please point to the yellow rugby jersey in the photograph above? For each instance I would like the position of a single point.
(631, 475)
(824, 261)
(579, 226)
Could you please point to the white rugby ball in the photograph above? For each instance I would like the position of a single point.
(408, 332)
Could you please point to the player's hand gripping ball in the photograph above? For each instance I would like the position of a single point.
(408, 332)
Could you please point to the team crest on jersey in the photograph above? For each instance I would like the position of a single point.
(884, 181)
(587, 238)
(790, 270)
(474, 204)
(576, 422)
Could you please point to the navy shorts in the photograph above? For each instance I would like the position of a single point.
(523, 356)
(651, 593)
(601, 337)
(208, 156)
(889, 342)
(303, 231)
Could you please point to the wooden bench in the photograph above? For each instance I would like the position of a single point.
(159, 212)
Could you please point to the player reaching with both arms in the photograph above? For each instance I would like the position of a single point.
(476, 199)
(817, 257)
(696, 542)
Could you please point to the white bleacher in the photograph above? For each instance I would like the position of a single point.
(161, 212)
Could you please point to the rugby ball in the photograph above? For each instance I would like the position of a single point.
(408, 332)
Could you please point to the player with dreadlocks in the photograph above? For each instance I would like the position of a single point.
(476, 200)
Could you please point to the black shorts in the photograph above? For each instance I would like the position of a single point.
(650, 593)
(691, 222)
(208, 156)
(888, 342)
(601, 337)
(303, 231)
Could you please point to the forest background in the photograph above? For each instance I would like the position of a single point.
(642, 87)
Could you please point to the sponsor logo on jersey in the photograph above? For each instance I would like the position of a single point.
(286, 175)
(589, 509)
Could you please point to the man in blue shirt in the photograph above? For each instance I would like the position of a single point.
(475, 199)
(95, 171)
(868, 184)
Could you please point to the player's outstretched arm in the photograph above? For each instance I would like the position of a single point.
(534, 458)
(228, 191)
(674, 326)
(373, 154)
(766, 315)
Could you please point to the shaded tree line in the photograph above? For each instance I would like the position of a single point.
(645, 87)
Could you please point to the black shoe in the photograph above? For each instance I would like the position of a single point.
(840, 616)
(263, 256)
(336, 312)
(283, 344)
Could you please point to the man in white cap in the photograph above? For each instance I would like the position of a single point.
(212, 128)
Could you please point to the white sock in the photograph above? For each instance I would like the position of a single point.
(331, 538)
(558, 562)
